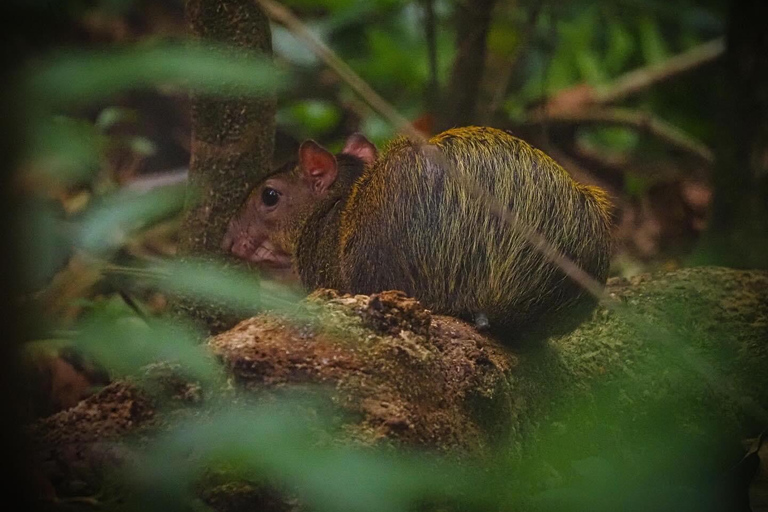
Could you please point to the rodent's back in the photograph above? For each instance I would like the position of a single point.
(409, 224)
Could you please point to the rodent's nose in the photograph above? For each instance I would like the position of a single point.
(242, 248)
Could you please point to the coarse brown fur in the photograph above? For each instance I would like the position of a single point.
(407, 223)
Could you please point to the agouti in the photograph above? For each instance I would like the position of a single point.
(361, 222)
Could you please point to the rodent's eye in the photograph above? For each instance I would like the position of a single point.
(270, 196)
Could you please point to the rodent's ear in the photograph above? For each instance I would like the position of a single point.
(357, 145)
(318, 165)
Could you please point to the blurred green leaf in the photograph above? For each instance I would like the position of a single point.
(45, 239)
(377, 129)
(124, 343)
(590, 67)
(311, 117)
(280, 442)
(651, 41)
(116, 6)
(578, 33)
(111, 116)
(620, 45)
(609, 140)
(64, 150)
(503, 39)
(106, 226)
(142, 146)
(390, 64)
(239, 290)
(636, 185)
(78, 77)
(561, 72)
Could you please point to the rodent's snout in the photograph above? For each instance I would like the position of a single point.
(242, 248)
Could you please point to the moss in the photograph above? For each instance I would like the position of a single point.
(682, 362)
(668, 385)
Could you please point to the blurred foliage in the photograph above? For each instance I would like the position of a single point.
(77, 206)
(279, 443)
(72, 78)
(551, 46)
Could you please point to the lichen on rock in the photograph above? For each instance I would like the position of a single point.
(411, 378)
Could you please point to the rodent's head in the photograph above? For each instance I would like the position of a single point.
(265, 229)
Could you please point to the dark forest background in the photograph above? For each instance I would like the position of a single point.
(664, 103)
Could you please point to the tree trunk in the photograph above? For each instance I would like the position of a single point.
(473, 18)
(738, 230)
(232, 141)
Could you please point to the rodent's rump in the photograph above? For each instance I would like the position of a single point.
(441, 244)
(406, 220)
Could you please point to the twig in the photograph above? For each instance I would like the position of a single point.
(584, 96)
(282, 15)
(641, 79)
(641, 121)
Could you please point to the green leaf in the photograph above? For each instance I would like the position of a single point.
(391, 62)
(611, 139)
(652, 42)
(63, 150)
(561, 72)
(77, 77)
(124, 343)
(503, 39)
(620, 47)
(238, 290)
(590, 67)
(636, 185)
(107, 226)
(377, 129)
(312, 117)
(111, 116)
(142, 146)
(44, 240)
(279, 443)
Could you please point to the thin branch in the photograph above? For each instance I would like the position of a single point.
(641, 121)
(584, 96)
(285, 17)
(644, 78)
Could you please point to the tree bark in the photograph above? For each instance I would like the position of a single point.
(473, 19)
(232, 141)
(738, 229)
